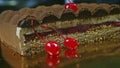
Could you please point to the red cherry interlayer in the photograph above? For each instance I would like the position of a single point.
(117, 24)
(70, 43)
(79, 28)
(51, 47)
(52, 61)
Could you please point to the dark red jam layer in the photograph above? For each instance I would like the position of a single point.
(79, 28)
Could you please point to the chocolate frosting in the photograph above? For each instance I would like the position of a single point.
(57, 12)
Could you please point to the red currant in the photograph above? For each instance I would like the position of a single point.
(70, 43)
(71, 53)
(52, 61)
(71, 6)
(52, 48)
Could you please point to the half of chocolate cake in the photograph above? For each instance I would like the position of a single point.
(91, 23)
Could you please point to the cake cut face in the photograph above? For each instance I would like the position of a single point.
(91, 23)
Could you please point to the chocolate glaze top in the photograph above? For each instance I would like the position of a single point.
(57, 12)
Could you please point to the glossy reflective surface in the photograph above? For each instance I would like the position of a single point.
(99, 58)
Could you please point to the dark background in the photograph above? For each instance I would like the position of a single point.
(17, 4)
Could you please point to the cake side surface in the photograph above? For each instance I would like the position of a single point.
(56, 16)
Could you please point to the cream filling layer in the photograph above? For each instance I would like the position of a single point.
(18, 29)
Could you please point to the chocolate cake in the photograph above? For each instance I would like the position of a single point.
(91, 23)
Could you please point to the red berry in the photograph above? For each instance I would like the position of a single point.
(71, 53)
(52, 61)
(71, 6)
(70, 43)
(52, 48)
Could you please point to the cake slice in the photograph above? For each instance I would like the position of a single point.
(91, 23)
